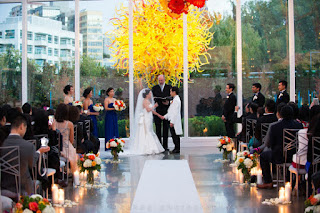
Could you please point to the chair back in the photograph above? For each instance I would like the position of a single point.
(250, 128)
(315, 153)
(34, 168)
(10, 164)
(289, 144)
(75, 133)
(87, 125)
(302, 145)
(264, 130)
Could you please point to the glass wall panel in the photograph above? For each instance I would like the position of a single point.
(10, 54)
(207, 88)
(50, 64)
(264, 45)
(96, 69)
(307, 47)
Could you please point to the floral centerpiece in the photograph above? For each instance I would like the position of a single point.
(34, 203)
(116, 145)
(89, 162)
(119, 105)
(312, 204)
(245, 162)
(225, 144)
(77, 103)
(98, 107)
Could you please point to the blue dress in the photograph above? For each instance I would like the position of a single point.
(111, 124)
(94, 121)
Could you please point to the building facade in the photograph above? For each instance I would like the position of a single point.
(91, 29)
(47, 41)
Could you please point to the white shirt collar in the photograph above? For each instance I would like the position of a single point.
(270, 113)
(282, 91)
(16, 134)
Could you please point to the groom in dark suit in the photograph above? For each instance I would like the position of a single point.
(283, 96)
(228, 110)
(258, 97)
(160, 93)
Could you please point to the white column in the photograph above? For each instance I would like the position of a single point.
(239, 56)
(77, 52)
(292, 81)
(24, 59)
(185, 76)
(131, 91)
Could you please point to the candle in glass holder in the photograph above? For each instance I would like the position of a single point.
(61, 196)
(234, 154)
(282, 194)
(288, 192)
(55, 194)
(76, 178)
(95, 174)
(241, 177)
(259, 176)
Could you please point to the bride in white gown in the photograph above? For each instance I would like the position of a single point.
(144, 140)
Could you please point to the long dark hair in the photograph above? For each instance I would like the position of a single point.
(41, 122)
(87, 92)
(62, 113)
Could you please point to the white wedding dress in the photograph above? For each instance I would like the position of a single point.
(144, 140)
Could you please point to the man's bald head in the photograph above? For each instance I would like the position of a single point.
(161, 79)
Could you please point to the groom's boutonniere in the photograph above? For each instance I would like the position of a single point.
(255, 97)
(171, 102)
(280, 95)
(227, 96)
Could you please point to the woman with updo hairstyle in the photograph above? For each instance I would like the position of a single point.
(88, 109)
(111, 119)
(68, 92)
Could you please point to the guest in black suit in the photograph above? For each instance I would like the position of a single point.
(251, 113)
(162, 90)
(228, 110)
(283, 96)
(274, 141)
(28, 156)
(258, 97)
(27, 112)
(267, 117)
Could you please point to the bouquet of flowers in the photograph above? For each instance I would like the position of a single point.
(245, 162)
(312, 204)
(34, 203)
(89, 162)
(119, 105)
(226, 144)
(77, 103)
(98, 107)
(116, 145)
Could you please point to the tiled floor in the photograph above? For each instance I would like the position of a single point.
(213, 182)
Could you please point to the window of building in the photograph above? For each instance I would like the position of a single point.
(20, 34)
(39, 50)
(40, 37)
(30, 35)
(49, 38)
(56, 52)
(49, 51)
(29, 48)
(9, 34)
(56, 40)
(0, 34)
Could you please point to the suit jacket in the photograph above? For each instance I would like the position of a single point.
(228, 107)
(28, 158)
(268, 118)
(285, 98)
(174, 114)
(259, 99)
(156, 91)
(274, 138)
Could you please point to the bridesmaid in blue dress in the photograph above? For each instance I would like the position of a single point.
(88, 105)
(111, 120)
(69, 92)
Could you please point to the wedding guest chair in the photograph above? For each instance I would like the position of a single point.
(315, 157)
(75, 133)
(87, 125)
(10, 165)
(264, 130)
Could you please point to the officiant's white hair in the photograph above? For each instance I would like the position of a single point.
(164, 77)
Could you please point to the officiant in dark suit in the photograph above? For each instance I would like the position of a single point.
(258, 97)
(228, 110)
(160, 93)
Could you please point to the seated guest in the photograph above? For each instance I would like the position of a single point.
(27, 112)
(11, 114)
(274, 141)
(267, 117)
(301, 157)
(252, 114)
(83, 146)
(41, 126)
(304, 116)
(28, 156)
(66, 129)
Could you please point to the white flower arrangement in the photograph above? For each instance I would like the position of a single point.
(87, 163)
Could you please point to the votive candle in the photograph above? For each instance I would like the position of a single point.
(61, 196)
(55, 194)
(288, 192)
(259, 176)
(282, 194)
(76, 178)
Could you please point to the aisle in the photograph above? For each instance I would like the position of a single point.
(213, 182)
(166, 186)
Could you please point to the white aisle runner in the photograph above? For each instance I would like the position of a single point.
(166, 186)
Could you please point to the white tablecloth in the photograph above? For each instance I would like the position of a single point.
(166, 186)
